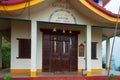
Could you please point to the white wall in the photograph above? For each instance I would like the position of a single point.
(96, 37)
(44, 14)
(39, 49)
(19, 30)
(81, 39)
(23, 30)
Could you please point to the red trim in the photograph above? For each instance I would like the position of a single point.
(10, 2)
(102, 8)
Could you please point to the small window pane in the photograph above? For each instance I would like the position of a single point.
(24, 48)
(81, 50)
(93, 50)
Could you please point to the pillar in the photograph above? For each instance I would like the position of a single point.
(107, 53)
(33, 72)
(88, 50)
(0, 52)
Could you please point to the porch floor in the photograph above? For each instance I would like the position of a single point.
(55, 74)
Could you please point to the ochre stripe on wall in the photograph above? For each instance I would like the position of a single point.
(93, 70)
(96, 70)
(23, 70)
(19, 6)
(40, 70)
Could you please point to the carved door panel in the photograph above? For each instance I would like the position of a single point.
(56, 56)
(59, 53)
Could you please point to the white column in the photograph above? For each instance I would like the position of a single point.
(88, 50)
(33, 48)
(0, 52)
(107, 53)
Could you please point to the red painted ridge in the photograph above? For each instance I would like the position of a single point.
(11, 2)
(102, 8)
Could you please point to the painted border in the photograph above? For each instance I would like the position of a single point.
(97, 11)
(79, 25)
(105, 27)
(23, 70)
(58, 10)
(99, 70)
(19, 5)
(4, 18)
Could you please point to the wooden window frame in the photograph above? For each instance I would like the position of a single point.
(24, 46)
(81, 50)
(94, 50)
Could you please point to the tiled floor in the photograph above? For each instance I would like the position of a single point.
(55, 74)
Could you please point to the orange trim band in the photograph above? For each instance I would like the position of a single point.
(33, 74)
(19, 6)
(93, 70)
(23, 70)
(79, 70)
(96, 70)
(39, 70)
(97, 11)
(20, 70)
(89, 73)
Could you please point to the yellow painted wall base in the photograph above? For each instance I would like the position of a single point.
(96, 70)
(79, 70)
(20, 70)
(39, 70)
(33, 74)
(107, 68)
(23, 70)
(93, 70)
(89, 73)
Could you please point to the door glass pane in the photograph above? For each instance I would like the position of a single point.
(55, 44)
(63, 47)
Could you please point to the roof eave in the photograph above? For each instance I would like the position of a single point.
(20, 5)
(107, 15)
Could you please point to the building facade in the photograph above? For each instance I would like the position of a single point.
(57, 36)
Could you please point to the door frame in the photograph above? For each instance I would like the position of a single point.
(50, 31)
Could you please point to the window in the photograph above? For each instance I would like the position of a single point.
(81, 50)
(24, 48)
(93, 50)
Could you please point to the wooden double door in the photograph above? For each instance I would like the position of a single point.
(59, 52)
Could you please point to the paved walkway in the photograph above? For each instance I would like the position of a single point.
(48, 74)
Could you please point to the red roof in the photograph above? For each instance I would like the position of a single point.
(8, 2)
(102, 8)
(11, 1)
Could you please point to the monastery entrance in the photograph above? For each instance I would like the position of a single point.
(59, 51)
